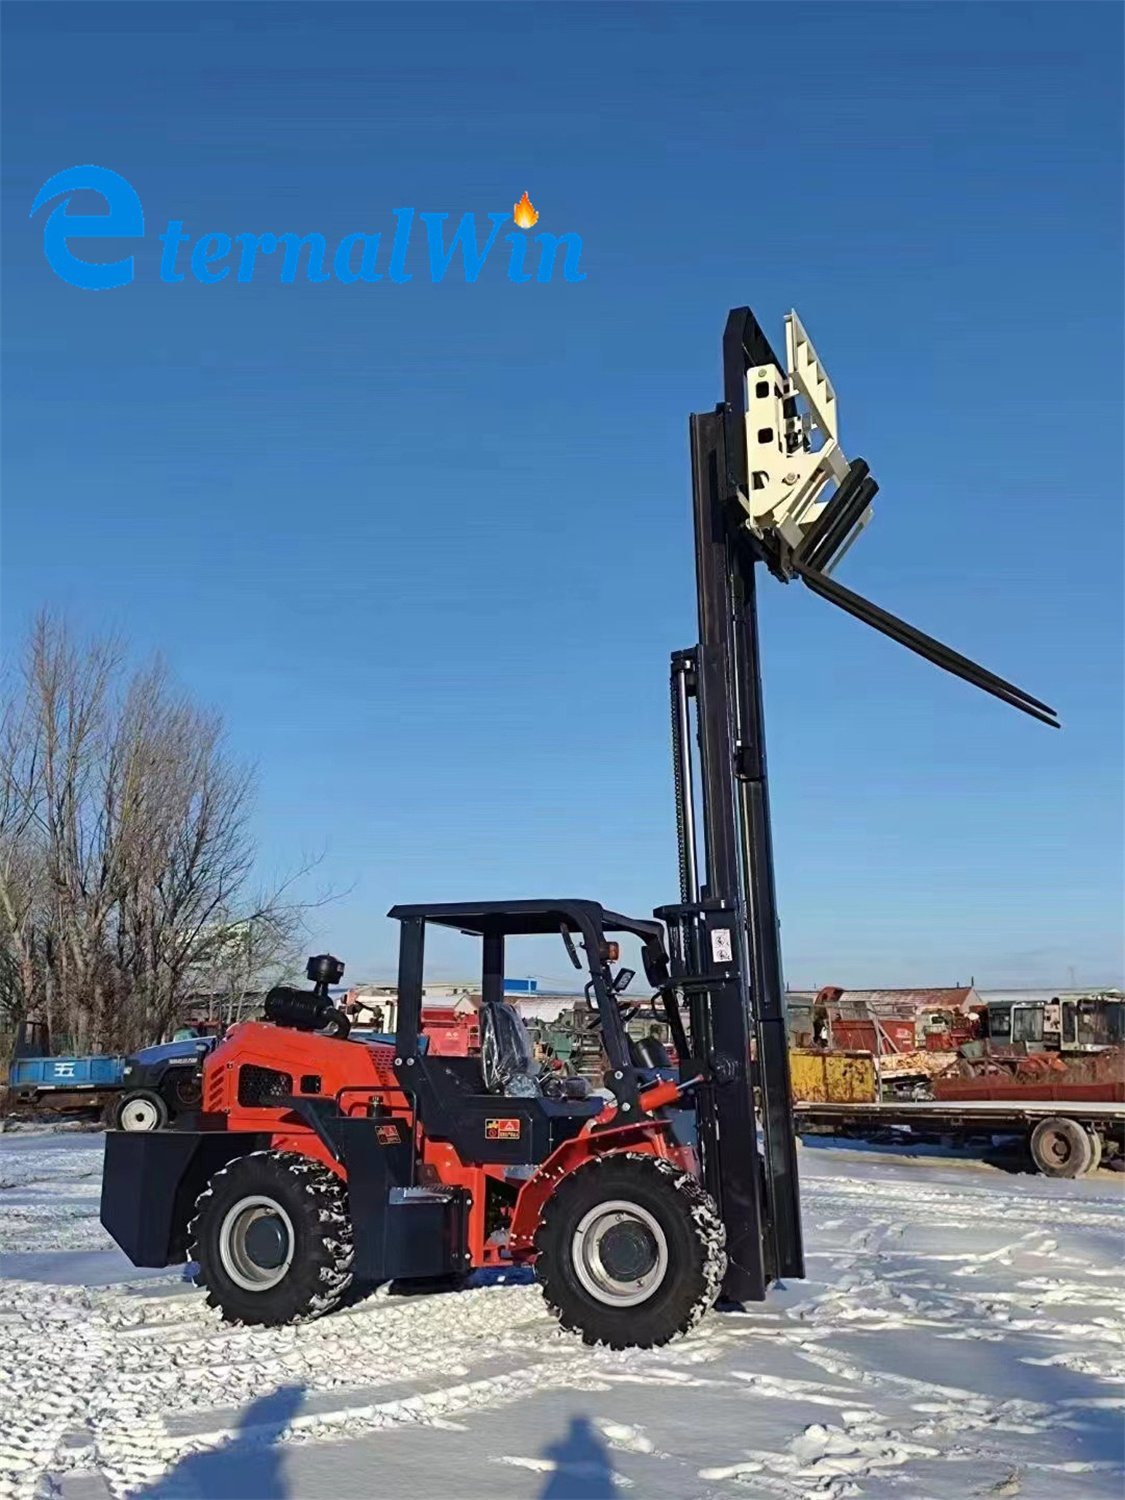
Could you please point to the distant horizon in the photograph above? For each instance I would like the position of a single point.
(790, 989)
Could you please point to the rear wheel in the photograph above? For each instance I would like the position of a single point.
(1061, 1148)
(183, 1090)
(142, 1110)
(630, 1251)
(273, 1239)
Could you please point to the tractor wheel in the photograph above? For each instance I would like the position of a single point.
(272, 1238)
(1061, 1148)
(182, 1090)
(142, 1110)
(630, 1251)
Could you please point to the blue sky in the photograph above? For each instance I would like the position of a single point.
(428, 546)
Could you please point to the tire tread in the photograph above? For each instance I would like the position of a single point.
(327, 1272)
(703, 1277)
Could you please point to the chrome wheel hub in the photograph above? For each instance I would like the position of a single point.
(256, 1243)
(620, 1253)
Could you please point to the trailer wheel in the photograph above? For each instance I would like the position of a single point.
(1095, 1150)
(141, 1110)
(630, 1251)
(1061, 1148)
(272, 1238)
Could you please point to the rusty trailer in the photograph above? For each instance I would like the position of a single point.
(1065, 1137)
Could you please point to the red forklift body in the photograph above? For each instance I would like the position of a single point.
(442, 1172)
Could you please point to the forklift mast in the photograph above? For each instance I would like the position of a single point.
(770, 485)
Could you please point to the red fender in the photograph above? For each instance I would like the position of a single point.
(644, 1135)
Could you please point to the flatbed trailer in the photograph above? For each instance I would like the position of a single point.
(1067, 1138)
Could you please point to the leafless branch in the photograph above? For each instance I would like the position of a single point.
(126, 857)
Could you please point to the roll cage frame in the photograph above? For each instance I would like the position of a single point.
(495, 921)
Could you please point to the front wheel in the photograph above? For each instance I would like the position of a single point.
(273, 1239)
(630, 1251)
(141, 1110)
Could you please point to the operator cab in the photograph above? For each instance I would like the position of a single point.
(465, 1090)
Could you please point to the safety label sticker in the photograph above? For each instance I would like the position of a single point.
(722, 951)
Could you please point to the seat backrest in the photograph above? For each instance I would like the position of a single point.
(506, 1058)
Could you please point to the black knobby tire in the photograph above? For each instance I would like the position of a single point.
(663, 1218)
(309, 1244)
(1061, 1148)
(140, 1109)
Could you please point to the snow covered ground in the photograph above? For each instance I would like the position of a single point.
(960, 1334)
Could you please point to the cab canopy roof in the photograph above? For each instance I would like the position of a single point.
(524, 918)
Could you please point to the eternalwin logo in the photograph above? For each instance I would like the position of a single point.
(421, 244)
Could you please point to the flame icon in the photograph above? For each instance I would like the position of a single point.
(525, 213)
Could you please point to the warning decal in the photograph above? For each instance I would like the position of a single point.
(722, 949)
(502, 1130)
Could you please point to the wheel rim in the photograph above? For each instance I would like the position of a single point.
(139, 1114)
(256, 1243)
(620, 1253)
(1058, 1148)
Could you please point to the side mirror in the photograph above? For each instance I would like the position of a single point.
(656, 966)
(568, 943)
(622, 980)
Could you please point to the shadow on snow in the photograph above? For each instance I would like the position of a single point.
(582, 1468)
(248, 1465)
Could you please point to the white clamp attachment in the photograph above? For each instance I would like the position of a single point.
(792, 444)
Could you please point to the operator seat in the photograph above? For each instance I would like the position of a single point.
(505, 1052)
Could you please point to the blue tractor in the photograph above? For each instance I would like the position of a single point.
(142, 1092)
(161, 1083)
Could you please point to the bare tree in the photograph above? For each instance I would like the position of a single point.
(21, 868)
(125, 851)
(243, 955)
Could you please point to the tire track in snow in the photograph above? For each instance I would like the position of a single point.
(129, 1380)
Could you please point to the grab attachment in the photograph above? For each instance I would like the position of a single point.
(802, 502)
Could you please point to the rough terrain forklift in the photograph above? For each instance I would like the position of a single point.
(319, 1159)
